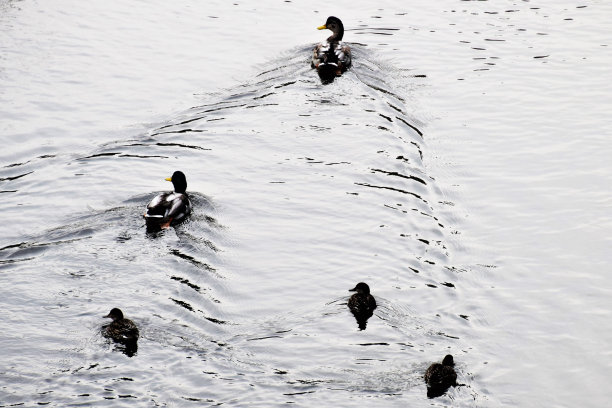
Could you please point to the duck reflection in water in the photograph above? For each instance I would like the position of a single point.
(122, 331)
(439, 377)
(362, 304)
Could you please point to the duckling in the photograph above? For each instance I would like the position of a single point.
(121, 330)
(331, 58)
(439, 377)
(362, 304)
(171, 207)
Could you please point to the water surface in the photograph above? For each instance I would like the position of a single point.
(460, 168)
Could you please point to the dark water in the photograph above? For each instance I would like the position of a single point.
(419, 171)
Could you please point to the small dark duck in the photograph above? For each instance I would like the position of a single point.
(439, 377)
(122, 331)
(169, 208)
(331, 58)
(362, 304)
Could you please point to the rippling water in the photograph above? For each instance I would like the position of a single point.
(461, 168)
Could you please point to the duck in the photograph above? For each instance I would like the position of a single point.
(170, 207)
(121, 330)
(440, 376)
(331, 58)
(361, 304)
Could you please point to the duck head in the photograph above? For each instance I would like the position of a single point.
(361, 288)
(115, 314)
(448, 361)
(179, 181)
(335, 26)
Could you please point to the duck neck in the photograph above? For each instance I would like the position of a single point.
(337, 36)
(180, 188)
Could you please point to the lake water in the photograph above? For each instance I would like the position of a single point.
(461, 168)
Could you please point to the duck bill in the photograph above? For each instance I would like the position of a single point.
(353, 290)
(168, 179)
(108, 315)
(323, 27)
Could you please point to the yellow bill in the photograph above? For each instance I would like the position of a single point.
(323, 27)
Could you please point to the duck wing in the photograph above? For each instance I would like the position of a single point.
(168, 205)
(343, 52)
(438, 375)
(319, 55)
(179, 206)
(332, 53)
(159, 205)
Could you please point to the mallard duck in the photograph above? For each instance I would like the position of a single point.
(171, 207)
(439, 377)
(362, 304)
(331, 58)
(121, 330)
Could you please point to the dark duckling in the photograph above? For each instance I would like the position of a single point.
(121, 330)
(362, 304)
(331, 58)
(439, 377)
(170, 207)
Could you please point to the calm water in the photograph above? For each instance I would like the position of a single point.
(461, 168)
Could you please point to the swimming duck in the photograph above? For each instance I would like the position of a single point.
(331, 58)
(362, 304)
(121, 330)
(171, 207)
(439, 377)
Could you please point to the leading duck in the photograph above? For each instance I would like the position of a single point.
(331, 58)
(170, 207)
